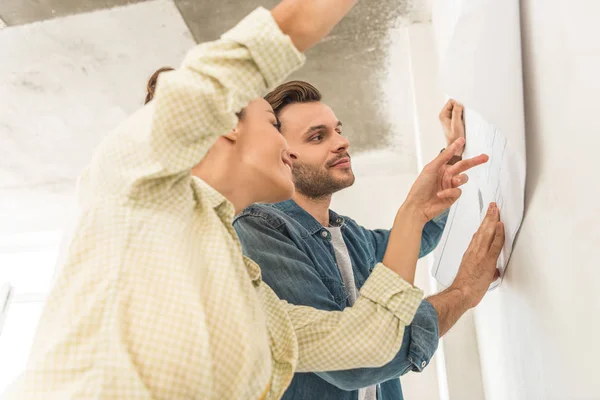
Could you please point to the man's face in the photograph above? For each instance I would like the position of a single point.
(319, 151)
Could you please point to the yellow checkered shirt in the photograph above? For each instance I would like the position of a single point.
(155, 300)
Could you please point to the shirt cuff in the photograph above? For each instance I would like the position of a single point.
(387, 288)
(442, 217)
(424, 336)
(272, 50)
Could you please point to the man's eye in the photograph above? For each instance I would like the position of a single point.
(277, 125)
(316, 138)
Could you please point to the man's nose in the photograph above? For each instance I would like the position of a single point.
(342, 144)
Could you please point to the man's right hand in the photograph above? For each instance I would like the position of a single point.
(437, 186)
(478, 267)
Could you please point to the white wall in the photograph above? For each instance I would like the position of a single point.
(27, 262)
(459, 371)
(538, 334)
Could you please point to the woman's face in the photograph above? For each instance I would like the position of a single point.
(264, 154)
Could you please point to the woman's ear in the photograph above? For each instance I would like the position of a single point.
(233, 135)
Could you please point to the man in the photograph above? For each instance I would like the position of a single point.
(312, 256)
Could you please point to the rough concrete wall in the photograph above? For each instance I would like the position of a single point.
(21, 12)
(352, 67)
(73, 79)
(64, 84)
(538, 334)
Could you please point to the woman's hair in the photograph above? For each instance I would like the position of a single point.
(152, 83)
(152, 87)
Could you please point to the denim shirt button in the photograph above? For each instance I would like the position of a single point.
(324, 234)
(423, 364)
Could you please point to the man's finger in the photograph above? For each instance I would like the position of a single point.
(483, 234)
(450, 195)
(465, 165)
(460, 180)
(447, 154)
(457, 122)
(490, 219)
(488, 226)
(498, 242)
(457, 111)
(446, 113)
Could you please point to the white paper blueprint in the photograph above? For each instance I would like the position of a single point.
(480, 66)
(6, 292)
(496, 181)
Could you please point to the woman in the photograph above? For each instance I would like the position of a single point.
(155, 299)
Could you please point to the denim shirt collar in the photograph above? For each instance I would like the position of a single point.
(294, 211)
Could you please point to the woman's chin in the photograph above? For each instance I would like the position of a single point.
(283, 192)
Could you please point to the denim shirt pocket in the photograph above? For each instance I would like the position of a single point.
(371, 264)
(359, 276)
(337, 290)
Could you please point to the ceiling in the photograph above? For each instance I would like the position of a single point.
(75, 68)
(207, 19)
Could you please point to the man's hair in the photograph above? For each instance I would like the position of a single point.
(290, 93)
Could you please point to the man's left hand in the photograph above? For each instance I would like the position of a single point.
(438, 186)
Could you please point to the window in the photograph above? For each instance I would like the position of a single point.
(27, 263)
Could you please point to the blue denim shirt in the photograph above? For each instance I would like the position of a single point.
(298, 262)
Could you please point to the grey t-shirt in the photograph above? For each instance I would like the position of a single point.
(345, 265)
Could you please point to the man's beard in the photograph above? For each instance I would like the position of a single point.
(316, 183)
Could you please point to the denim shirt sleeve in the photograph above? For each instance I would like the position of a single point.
(432, 233)
(291, 274)
(418, 347)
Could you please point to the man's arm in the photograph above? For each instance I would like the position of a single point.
(477, 271)
(430, 236)
(450, 305)
(418, 347)
(293, 277)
